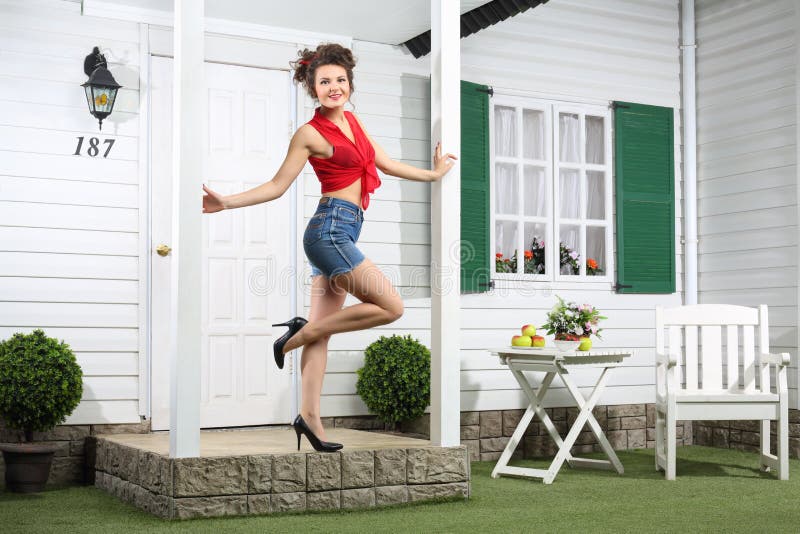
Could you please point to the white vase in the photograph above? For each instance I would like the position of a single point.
(565, 345)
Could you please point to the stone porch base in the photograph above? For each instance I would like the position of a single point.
(256, 472)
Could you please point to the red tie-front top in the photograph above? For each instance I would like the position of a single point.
(350, 161)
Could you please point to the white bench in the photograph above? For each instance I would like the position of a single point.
(701, 374)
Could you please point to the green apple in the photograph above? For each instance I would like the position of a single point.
(529, 330)
(586, 344)
(521, 341)
(538, 341)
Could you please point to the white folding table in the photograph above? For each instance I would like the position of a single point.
(554, 362)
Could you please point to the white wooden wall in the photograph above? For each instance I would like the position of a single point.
(69, 225)
(70, 236)
(747, 174)
(572, 50)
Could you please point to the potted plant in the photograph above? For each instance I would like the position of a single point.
(40, 385)
(572, 324)
(395, 382)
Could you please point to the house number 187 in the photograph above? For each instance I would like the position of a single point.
(94, 146)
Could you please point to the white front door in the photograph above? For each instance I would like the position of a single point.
(246, 267)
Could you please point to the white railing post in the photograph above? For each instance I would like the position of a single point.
(187, 169)
(446, 226)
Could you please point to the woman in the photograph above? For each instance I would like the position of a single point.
(344, 158)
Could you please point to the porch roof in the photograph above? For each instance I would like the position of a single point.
(365, 20)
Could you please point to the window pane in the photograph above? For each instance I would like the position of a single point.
(569, 137)
(595, 140)
(505, 131)
(595, 195)
(505, 240)
(533, 138)
(534, 191)
(506, 192)
(534, 248)
(595, 250)
(569, 255)
(569, 191)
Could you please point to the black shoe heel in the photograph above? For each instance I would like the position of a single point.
(300, 427)
(294, 325)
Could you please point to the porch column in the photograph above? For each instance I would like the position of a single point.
(446, 226)
(187, 172)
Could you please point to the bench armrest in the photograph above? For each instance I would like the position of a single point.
(670, 360)
(781, 360)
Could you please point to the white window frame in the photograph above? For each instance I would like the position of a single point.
(551, 110)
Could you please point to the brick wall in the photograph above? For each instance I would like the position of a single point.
(745, 435)
(73, 455)
(628, 426)
(486, 434)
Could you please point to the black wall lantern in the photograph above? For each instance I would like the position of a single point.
(101, 87)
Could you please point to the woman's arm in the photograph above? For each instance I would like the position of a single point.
(441, 164)
(292, 165)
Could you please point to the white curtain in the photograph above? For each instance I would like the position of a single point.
(569, 183)
(595, 145)
(596, 246)
(510, 181)
(506, 189)
(569, 138)
(505, 138)
(595, 195)
(505, 238)
(533, 134)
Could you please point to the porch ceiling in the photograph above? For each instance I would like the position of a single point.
(380, 21)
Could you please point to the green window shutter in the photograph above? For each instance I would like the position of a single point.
(474, 188)
(645, 198)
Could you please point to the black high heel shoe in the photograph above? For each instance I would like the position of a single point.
(294, 326)
(300, 427)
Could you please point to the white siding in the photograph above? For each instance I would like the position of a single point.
(569, 50)
(747, 177)
(69, 225)
(69, 230)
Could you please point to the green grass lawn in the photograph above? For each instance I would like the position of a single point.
(716, 490)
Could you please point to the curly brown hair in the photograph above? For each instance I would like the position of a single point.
(305, 68)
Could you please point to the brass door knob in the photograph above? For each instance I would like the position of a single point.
(163, 250)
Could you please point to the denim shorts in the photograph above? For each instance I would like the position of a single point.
(331, 235)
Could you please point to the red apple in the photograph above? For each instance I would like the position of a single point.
(529, 330)
(538, 341)
(521, 341)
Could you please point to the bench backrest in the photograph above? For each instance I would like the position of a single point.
(718, 345)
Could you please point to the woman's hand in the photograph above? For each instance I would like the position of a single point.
(441, 164)
(212, 201)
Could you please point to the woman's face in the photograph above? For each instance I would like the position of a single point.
(332, 86)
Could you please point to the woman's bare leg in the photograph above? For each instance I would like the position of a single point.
(380, 304)
(325, 300)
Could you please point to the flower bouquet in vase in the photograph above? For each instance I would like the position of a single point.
(573, 324)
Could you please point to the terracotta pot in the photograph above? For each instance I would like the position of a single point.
(27, 465)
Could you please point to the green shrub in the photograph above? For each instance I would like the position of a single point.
(40, 382)
(395, 382)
